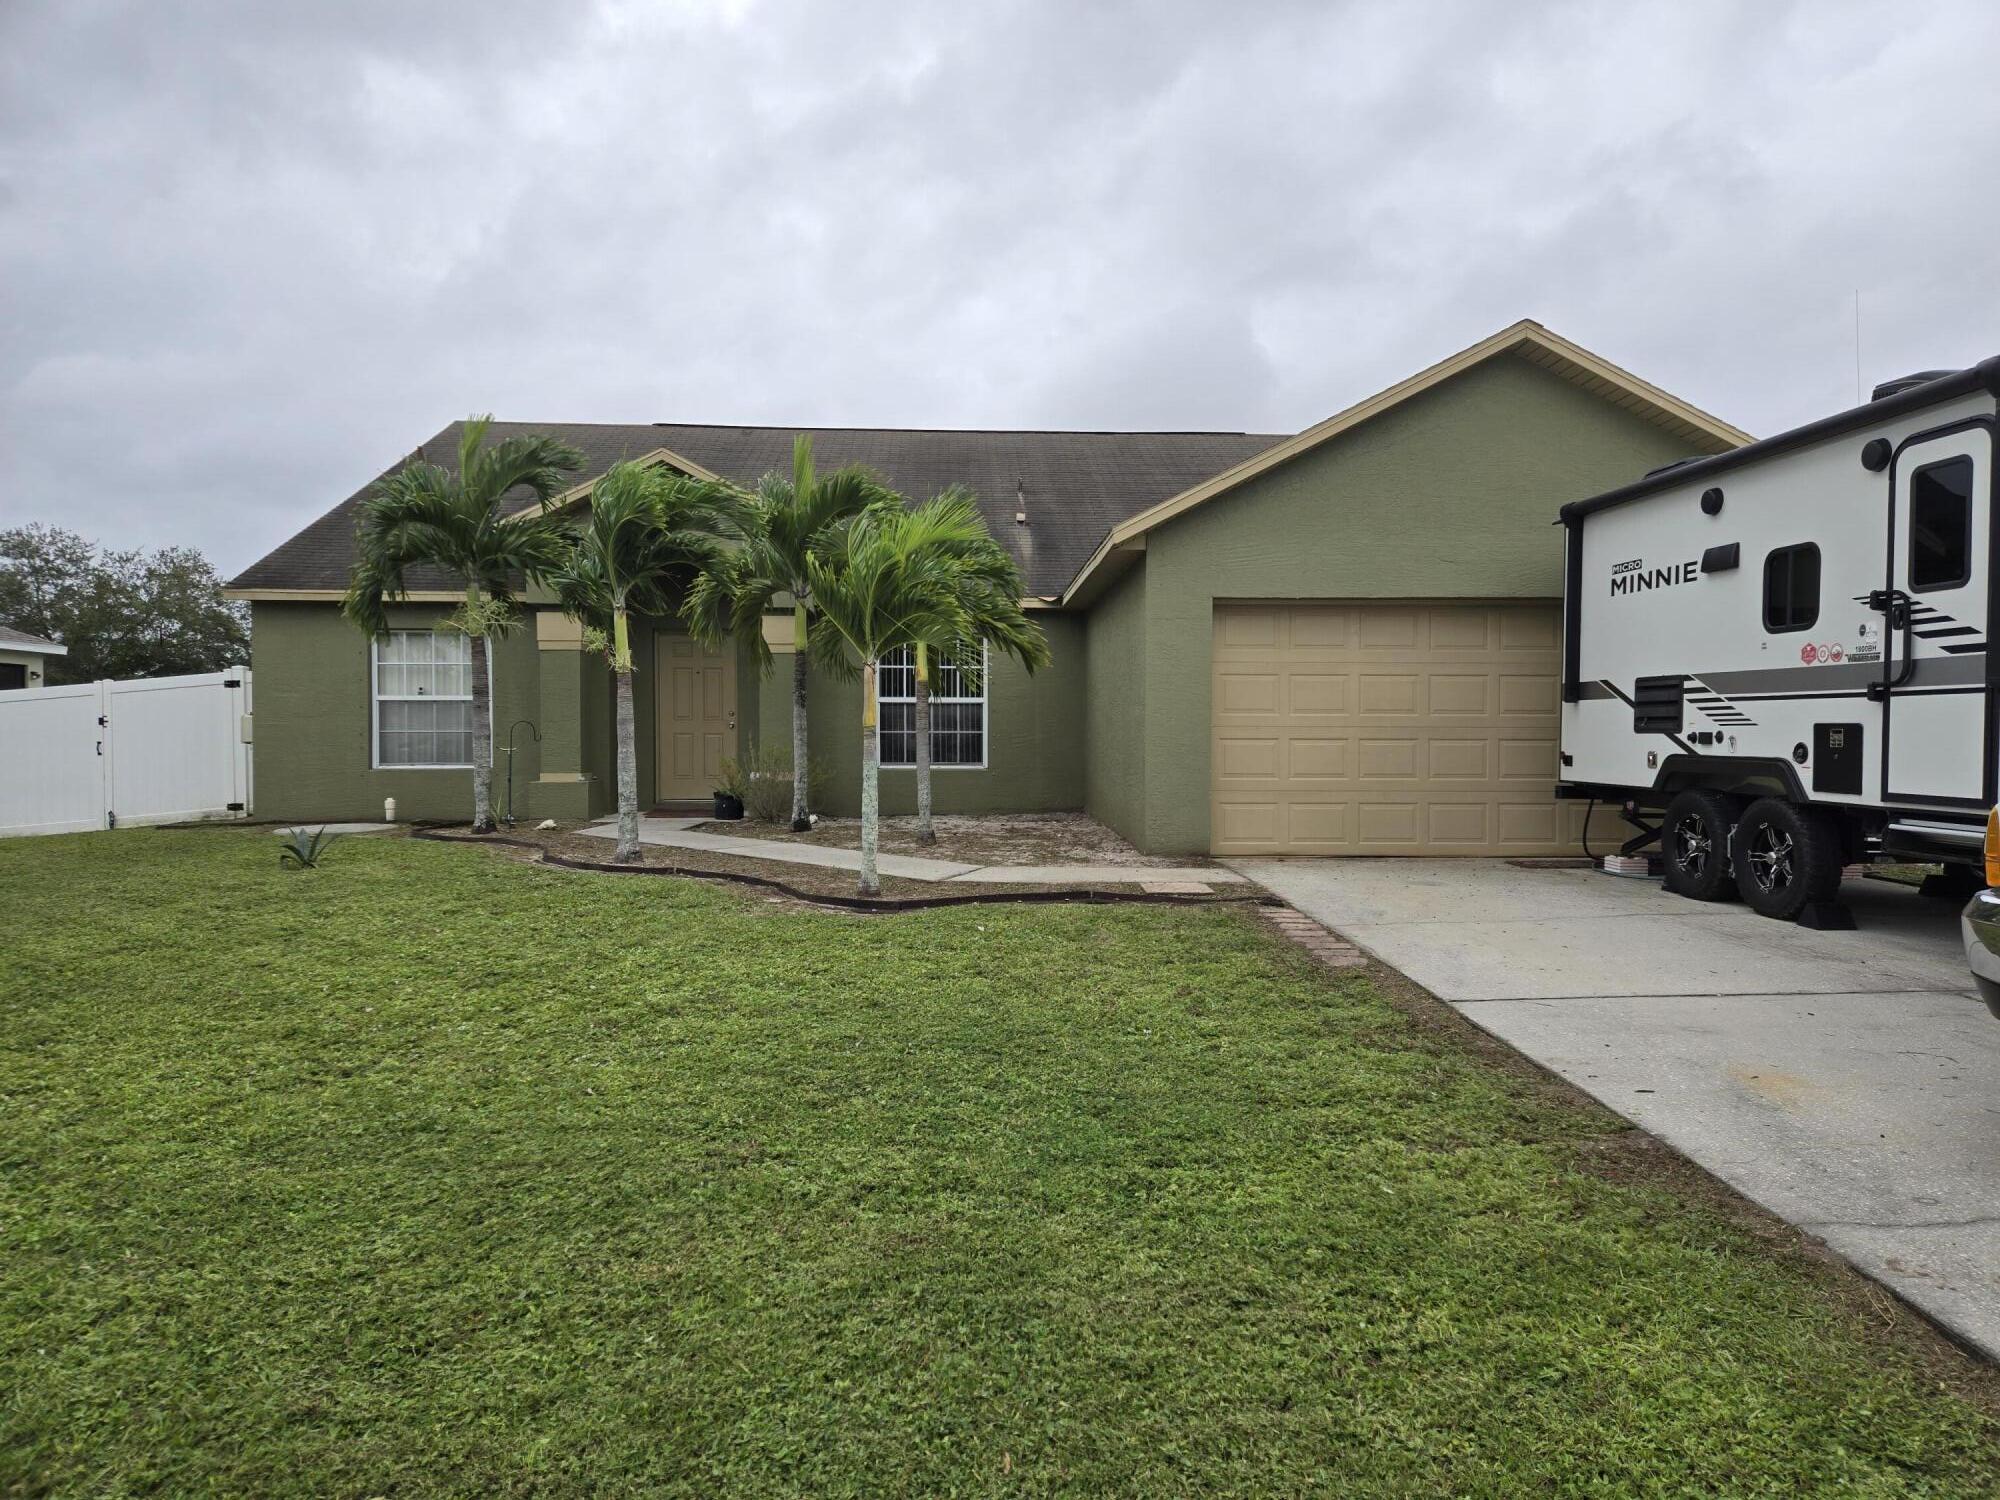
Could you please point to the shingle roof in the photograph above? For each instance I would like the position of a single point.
(1074, 486)
(21, 640)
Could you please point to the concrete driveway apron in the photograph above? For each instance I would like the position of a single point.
(1847, 1081)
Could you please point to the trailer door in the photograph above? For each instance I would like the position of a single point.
(1934, 734)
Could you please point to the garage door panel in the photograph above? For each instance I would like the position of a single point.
(1528, 760)
(1530, 629)
(1320, 825)
(1389, 693)
(1458, 823)
(1388, 628)
(1387, 728)
(1249, 628)
(1254, 759)
(1387, 760)
(1249, 693)
(1460, 760)
(1388, 824)
(1247, 823)
(1318, 628)
(1316, 692)
(1319, 760)
(1460, 629)
(1533, 825)
(1460, 693)
(1525, 695)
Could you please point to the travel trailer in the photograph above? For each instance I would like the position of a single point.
(1781, 651)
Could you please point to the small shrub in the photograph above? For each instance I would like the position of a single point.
(762, 780)
(304, 848)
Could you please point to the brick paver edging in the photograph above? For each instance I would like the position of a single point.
(1330, 948)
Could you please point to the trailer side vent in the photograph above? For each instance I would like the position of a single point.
(1656, 705)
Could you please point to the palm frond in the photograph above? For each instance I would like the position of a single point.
(424, 515)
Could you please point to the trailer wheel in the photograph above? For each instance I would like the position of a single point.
(1694, 839)
(1785, 857)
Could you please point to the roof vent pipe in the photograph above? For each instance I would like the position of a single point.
(1020, 502)
(1907, 383)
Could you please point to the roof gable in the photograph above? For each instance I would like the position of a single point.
(1527, 338)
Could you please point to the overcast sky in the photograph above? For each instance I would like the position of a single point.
(250, 253)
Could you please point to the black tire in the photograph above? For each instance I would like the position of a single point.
(1694, 844)
(1785, 856)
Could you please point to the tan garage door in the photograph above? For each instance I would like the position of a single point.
(1387, 728)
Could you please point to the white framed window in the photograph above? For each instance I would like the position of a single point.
(958, 712)
(422, 694)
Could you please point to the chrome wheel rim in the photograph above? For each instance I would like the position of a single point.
(1771, 858)
(1693, 848)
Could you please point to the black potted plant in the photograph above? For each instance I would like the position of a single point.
(729, 795)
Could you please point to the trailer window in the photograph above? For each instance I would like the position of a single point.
(1941, 525)
(1791, 588)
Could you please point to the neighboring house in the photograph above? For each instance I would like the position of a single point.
(24, 659)
(1338, 642)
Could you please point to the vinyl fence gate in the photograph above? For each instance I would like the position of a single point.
(110, 754)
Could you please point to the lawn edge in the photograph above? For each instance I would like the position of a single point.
(1874, 1307)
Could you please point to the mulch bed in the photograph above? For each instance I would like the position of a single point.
(988, 839)
(807, 885)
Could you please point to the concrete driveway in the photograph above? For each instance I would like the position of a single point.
(1847, 1081)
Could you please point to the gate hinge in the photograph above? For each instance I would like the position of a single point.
(232, 807)
(232, 682)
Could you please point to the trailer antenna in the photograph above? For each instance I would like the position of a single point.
(1857, 346)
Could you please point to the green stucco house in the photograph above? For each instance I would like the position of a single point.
(1343, 641)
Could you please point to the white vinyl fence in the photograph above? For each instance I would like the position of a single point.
(110, 754)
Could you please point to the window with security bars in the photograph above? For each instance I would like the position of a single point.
(423, 699)
(958, 711)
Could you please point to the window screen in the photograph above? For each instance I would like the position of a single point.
(1941, 525)
(1791, 588)
(423, 699)
(958, 711)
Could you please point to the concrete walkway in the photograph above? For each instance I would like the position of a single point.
(679, 833)
(1847, 1081)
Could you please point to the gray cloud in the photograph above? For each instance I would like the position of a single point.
(250, 253)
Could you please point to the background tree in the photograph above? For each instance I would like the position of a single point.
(425, 515)
(649, 531)
(782, 523)
(890, 577)
(991, 588)
(121, 614)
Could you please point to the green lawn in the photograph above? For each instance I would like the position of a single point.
(432, 1173)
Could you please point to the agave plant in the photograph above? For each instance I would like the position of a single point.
(304, 848)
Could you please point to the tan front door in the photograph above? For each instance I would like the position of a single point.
(1387, 728)
(697, 716)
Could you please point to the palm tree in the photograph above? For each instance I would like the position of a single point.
(425, 515)
(894, 577)
(992, 587)
(782, 523)
(649, 528)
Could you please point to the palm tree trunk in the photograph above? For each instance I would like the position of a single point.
(925, 833)
(800, 822)
(628, 745)
(871, 776)
(482, 741)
